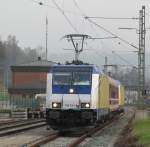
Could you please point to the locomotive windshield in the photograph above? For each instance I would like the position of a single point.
(62, 78)
(72, 76)
(81, 78)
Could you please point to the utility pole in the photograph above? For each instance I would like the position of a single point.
(141, 56)
(46, 45)
(105, 66)
(46, 31)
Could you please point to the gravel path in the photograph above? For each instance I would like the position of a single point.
(60, 142)
(108, 137)
(16, 140)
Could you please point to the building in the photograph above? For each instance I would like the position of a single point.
(28, 80)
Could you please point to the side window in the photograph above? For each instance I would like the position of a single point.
(113, 91)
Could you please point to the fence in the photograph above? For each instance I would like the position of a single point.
(7, 102)
(131, 96)
(20, 102)
(4, 100)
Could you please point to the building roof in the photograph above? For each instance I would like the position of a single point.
(39, 65)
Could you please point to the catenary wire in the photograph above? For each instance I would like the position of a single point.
(65, 16)
(83, 14)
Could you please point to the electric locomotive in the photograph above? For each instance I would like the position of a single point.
(79, 95)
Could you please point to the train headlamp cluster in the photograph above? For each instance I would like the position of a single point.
(85, 105)
(71, 90)
(56, 105)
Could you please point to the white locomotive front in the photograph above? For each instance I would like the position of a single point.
(70, 89)
(78, 95)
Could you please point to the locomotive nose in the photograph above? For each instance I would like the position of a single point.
(70, 101)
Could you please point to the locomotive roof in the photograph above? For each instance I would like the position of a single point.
(94, 67)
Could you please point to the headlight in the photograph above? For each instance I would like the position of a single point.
(71, 90)
(85, 105)
(56, 105)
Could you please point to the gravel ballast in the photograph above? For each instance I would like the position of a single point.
(17, 140)
(108, 136)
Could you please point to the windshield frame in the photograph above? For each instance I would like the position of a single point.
(72, 72)
(81, 73)
(62, 74)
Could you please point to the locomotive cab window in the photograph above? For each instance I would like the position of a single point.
(81, 78)
(61, 78)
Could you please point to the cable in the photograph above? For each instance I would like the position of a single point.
(130, 64)
(111, 33)
(76, 4)
(65, 16)
(41, 3)
(50, 6)
(123, 59)
(97, 53)
(87, 18)
(115, 36)
(94, 38)
(97, 34)
(84, 15)
(133, 18)
(127, 47)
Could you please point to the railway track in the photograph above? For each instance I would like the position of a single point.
(43, 140)
(20, 126)
(91, 132)
(10, 122)
(75, 141)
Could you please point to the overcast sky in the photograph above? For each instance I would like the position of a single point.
(26, 20)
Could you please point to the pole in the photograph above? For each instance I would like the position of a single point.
(105, 66)
(141, 56)
(46, 36)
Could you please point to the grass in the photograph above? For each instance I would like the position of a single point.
(140, 106)
(141, 129)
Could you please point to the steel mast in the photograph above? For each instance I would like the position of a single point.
(141, 55)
